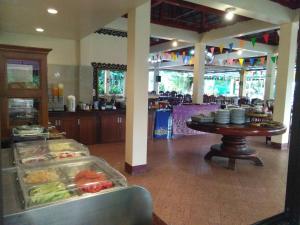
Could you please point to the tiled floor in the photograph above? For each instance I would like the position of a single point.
(187, 190)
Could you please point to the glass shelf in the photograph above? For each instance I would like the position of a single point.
(23, 111)
(23, 74)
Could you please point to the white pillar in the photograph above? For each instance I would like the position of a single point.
(285, 79)
(270, 79)
(155, 83)
(199, 71)
(137, 88)
(242, 87)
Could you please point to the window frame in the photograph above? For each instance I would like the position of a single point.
(105, 66)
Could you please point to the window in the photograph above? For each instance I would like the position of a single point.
(226, 83)
(255, 84)
(179, 81)
(111, 82)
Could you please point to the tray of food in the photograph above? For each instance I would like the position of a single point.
(53, 183)
(34, 152)
(30, 131)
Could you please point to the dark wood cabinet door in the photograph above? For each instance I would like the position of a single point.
(70, 125)
(87, 130)
(109, 124)
(122, 126)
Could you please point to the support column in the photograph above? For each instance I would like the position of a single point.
(284, 80)
(270, 79)
(156, 73)
(242, 89)
(137, 89)
(199, 71)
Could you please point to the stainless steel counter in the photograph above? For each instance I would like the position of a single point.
(126, 206)
(7, 159)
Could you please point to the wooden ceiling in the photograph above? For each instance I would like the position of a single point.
(293, 4)
(189, 16)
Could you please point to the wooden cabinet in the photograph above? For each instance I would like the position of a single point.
(112, 127)
(23, 87)
(87, 130)
(95, 127)
(80, 128)
(70, 125)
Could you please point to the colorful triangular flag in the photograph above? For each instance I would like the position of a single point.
(266, 37)
(262, 60)
(241, 61)
(230, 47)
(274, 59)
(252, 60)
(242, 43)
(221, 48)
(253, 41)
(220, 61)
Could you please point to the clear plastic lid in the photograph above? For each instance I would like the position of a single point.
(29, 131)
(34, 152)
(73, 179)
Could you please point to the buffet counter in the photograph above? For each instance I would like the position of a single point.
(45, 182)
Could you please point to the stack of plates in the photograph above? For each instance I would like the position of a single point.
(222, 116)
(237, 116)
(202, 119)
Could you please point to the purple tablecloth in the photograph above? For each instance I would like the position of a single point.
(182, 113)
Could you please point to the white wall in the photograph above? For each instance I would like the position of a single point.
(64, 51)
(103, 48)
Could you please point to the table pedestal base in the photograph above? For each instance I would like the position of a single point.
(234, 147)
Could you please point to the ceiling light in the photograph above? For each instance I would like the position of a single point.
(240, 52)
(229, 13)
(192, 52)
(174, 43)
(39, 29)
(52, 11)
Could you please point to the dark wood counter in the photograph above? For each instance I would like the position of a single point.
(93, 127)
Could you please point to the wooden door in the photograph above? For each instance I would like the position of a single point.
(70, 125)
(109, 128)
(87, 130)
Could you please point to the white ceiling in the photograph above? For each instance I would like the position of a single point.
(75, 18)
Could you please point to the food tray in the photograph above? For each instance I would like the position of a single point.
(25, 132)
(36, 152)
(86, 177)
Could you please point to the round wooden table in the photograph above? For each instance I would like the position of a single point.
(234, 144)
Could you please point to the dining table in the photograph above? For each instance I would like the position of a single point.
(234, 144)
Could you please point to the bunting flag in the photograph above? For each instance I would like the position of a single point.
(230, 61)
(221, 48)
(242, 43)
(252, 60)
(230, 47)
(274, 59)
(212, 50)
(220, 61)
(262, 60)
(253, 41)
(266, 37)
(241, 61)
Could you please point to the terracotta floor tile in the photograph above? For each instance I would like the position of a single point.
(187, 190)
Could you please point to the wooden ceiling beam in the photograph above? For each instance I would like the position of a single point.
(189, 5)
(156, 3)
(185, 14)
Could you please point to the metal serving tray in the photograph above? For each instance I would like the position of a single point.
(40, 152)
(125, 206)
(59, 182)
